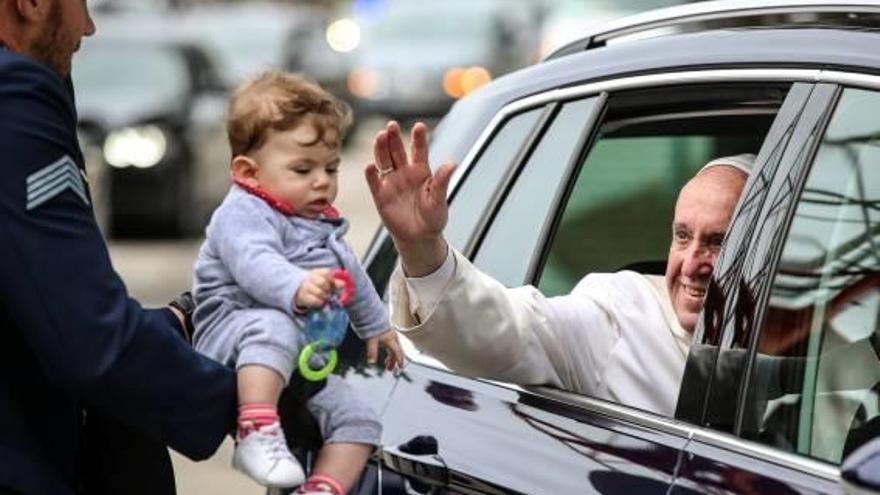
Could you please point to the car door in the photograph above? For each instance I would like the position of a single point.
(795, 384)
(554, 186)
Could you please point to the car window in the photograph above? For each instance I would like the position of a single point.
(619, 210)
(509, 246)
(815, 383)
(483, 177)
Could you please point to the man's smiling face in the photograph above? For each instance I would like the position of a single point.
(702, 215)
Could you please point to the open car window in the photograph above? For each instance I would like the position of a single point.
(619, 209)
(607, 204)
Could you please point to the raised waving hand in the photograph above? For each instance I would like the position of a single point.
(410, 199)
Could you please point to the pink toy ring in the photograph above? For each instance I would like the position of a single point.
(347, 292)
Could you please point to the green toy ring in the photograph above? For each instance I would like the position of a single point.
(309, 373)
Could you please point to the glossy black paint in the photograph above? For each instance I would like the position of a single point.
(527, 443)
(710, 469)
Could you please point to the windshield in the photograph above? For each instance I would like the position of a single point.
(153, 71)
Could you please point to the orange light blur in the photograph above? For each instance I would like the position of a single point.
(473, 78)
(458, 81)
(452, 82)
(364, 83)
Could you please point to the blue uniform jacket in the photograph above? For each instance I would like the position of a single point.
(70, 337)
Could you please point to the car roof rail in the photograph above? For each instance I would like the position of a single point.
(715, 14)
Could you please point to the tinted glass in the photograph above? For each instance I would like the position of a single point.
(485, 177)
(814, 387)
(511, 242)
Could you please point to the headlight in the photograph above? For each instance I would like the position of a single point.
(141, 147)
(343, 35)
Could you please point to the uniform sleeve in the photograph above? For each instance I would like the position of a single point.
(250, 245)
(58, 285)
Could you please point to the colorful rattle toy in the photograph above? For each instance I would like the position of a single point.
(325, 328)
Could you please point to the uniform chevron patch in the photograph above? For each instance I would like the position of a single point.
(54, 179)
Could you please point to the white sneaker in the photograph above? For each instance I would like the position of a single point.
(263, 455)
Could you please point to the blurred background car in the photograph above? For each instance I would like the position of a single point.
(151, 118)
(415, 59)
(248, 38)
(310, 52)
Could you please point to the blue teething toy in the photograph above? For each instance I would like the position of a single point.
(325, 328)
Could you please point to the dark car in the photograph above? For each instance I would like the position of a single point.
(151, 118)
(573, 165)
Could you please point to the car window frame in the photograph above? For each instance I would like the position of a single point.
(814, 362)
(802, 171)
(584, 142)
(722, 297)
(508, 175)
(796, 167)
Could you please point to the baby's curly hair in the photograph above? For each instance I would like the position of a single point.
(280, 101)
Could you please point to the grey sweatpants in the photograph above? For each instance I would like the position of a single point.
(271, 338)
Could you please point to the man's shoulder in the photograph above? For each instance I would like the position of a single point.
(23, 73)
(31, 91)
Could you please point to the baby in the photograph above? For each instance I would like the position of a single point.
(268, 258)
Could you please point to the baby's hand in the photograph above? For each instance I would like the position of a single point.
(315, 289)
(394, 355)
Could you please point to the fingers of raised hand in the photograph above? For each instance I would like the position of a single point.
(381, 152)
(440, 184)
(419, 141)
(371, 172)
(395, 145)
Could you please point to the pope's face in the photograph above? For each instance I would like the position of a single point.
(702, 215)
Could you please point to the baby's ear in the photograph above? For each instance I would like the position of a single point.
(244, 168)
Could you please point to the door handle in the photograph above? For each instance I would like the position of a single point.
(418, 459)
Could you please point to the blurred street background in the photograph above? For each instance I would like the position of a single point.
(152, 85)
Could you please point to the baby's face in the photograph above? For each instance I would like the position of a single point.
(305, 176)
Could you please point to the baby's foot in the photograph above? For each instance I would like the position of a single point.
(320, 484)
(262, 454)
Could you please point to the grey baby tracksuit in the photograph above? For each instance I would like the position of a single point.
(247, 273)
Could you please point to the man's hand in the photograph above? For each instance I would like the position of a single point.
(183, 307)
(316, 289)
(411, 202)
(393, 353)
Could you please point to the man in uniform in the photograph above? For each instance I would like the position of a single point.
(71, 340)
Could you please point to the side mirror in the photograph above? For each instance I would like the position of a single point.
(860, 472)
